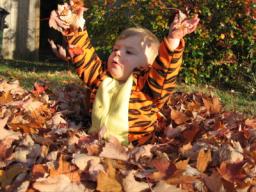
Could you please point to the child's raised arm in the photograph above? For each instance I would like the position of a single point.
(69, 22)
(161, 78)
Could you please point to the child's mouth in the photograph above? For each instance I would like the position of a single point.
(115, 64)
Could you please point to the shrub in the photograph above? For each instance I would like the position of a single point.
(222, 51)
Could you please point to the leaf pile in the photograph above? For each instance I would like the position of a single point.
(197, 146)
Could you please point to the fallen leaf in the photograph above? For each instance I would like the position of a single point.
(178, 117)
(216, 105)
(250, 123)
(131, 185)
(229, 154)
(182, 164)
(39, 170)
(9, 175)
(5, 97)
(60, 183)
(5, 148)
(39, 88)
(114, 150)
(232, 172)
(65, 168)
(203, 159)
(106, 181)
(142, 152)
(82, 160)
(162, 186)
(164, 169)
(213, 182)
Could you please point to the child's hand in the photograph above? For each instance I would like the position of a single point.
(68, 16)
(180, 27)
(56, 23)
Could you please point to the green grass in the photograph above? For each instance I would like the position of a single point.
(232, 101)
(55, 75)
(60, 74)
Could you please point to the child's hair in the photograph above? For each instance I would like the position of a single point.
(146, 36)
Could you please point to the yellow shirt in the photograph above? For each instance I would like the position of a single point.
(110, 109)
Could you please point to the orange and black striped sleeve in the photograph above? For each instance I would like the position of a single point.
(161, 78)
(87, 63)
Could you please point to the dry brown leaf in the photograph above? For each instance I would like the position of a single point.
(212, 105)
(106, 181)
(142, 152)
(131, 185)
(230, 154)
(179, 117)
(232, 172)
(60, 183)
(5, 148)
(190, 133)
(162, 186)
(216, 105)
(93, 149)
(207, 104)
(213, 182)
(114, 150)
(5, 97)
(185, 148)
(178, 179)
(39, 170)
(250, 123)
(164, 169)
(82, 160)
(9, 175)
(65, 168)
(182, 164)
(203, 159)
(12, 86)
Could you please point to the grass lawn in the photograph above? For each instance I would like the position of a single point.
(58, 74)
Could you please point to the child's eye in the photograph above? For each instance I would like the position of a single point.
(129, 52)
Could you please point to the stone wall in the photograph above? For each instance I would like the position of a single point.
(21, 38)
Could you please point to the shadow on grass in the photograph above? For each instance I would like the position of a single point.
(37, 66)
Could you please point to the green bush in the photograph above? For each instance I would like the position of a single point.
(222, 51)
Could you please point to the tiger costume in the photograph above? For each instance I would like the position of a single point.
(151, 87)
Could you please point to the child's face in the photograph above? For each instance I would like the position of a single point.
(128, 54)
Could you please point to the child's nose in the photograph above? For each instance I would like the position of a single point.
(117, 52)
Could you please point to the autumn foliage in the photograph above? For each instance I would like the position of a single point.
(221, 51)
(197, 146)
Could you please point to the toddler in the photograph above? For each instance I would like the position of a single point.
(129, 89)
